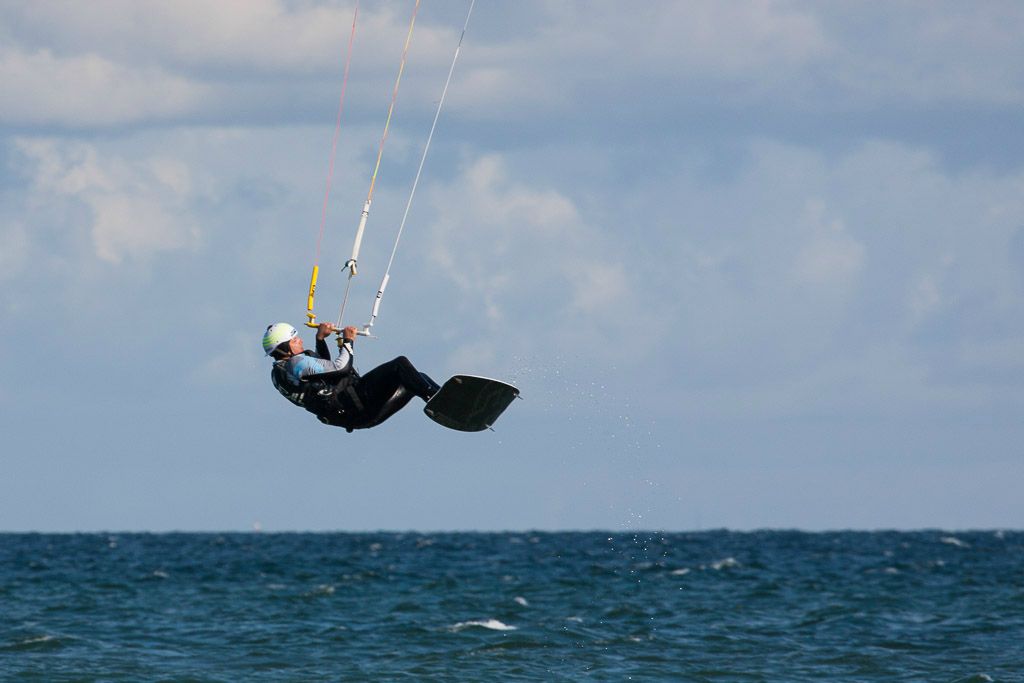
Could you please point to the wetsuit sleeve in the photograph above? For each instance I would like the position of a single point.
(343, 361)
(322, 350)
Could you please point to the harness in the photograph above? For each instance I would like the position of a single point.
(280, 380)
(331, 396)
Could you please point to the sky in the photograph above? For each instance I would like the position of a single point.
(752, 264)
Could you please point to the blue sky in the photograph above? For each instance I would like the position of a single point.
(752, 264)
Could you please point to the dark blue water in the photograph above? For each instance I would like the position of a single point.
(711, 606)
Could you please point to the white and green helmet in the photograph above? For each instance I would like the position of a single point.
(277, 334)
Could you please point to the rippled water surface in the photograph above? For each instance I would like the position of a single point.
(709, 606)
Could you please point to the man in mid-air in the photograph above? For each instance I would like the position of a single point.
(332, 389)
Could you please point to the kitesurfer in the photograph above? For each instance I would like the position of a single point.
(332, 389)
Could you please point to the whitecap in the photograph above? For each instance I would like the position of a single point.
(37, 639)
(953, 540)
(680, 572)
(521, 601)
(578, 620)
(492, 624)
(160, 574)
(724, 564)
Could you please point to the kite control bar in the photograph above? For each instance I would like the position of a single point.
(311, 316)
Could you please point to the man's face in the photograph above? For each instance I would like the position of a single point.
(295, 345)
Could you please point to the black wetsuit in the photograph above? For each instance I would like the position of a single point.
(345, 399)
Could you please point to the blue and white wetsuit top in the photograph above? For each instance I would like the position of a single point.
(287, 374)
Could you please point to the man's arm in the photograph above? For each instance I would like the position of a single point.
(323, 331)
(323, 351)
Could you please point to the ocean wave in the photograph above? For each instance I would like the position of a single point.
(40, 642)
(323, 589)
(727, 563)
(492, 624)
(277, 606)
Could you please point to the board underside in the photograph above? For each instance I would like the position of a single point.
(470, 404)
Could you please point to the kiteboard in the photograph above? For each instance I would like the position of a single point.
(470, 404)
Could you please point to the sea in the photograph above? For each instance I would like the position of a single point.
(530, 606)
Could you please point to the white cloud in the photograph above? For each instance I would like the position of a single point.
(518, 252)
(811, 283)
(250, 35)
(597, 286)
(112, 62)
(791, 55)
(829, 257)
(586, 57)
(137, 208)
(116, 62)
(88, 90)
(514, 242)
(135, 226)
